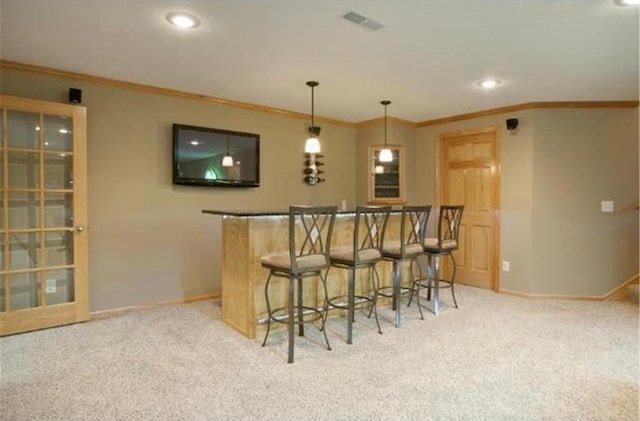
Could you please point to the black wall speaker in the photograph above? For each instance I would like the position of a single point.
(512, 123)
(75, 95)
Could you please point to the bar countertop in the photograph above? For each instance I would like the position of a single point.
(263, 212)
(247, 212)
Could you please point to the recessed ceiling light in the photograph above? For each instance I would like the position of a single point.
(489, 83)
(183, 20)
(628, 2)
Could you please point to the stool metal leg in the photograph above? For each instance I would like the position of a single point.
(453, 280)
(436, 280)
(433, 276)
(429, 275)
(325, 310)
(266, 296)
(300, 309)
(375, 281)
(415, 285)
(396, 291)
(350, 304)
(291, 319)
(323, 279)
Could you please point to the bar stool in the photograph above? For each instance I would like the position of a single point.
(365, 251)
(443, 245)
(310, 230)
(413, 227)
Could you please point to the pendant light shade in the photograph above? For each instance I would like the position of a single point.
(227, 161)
(385, 154)
(313, 143)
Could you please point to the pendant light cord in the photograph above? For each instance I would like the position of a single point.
(312, 130)
(385, 125)
(385, 103)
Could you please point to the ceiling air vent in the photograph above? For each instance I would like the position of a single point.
(361, 20)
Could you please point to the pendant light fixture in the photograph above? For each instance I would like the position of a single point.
(313, 144)
(227, 161)
(385, 154)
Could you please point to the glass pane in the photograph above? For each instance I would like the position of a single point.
(1, 128)
(57, 133)
(24, 210)
(58, 171)
(1, 165)
(23, 130)
(2, 258)
(387, 179)
(1, 170)
(24, 170)
(58, 248)
(385, 192)
(25, 290)
(58, 210)
(24, 250)
(3, 294)
(59, 286)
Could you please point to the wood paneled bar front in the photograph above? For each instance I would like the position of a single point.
(248, 235)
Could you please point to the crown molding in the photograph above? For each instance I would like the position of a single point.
(380, 120)
(98, 80)
(529, 106)
(11, 65)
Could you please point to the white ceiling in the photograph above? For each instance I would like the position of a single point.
(427, 59)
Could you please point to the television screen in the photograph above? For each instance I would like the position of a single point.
(215, 157)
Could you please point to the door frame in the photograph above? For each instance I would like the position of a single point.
(442, 138)
(35, 318)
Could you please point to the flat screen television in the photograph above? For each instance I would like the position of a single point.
(198, 154)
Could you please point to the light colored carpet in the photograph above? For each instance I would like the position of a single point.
(496, 358)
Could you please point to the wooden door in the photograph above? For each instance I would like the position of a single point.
(43, 241)
(469, 175)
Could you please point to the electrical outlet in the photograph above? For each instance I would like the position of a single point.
(52, 284)
(606, 206)
(505, 266)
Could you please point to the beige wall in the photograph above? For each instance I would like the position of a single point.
(148, 240)
(581, 157)
(150, 243)
(556, 168)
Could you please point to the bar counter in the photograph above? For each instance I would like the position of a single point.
(249, 234)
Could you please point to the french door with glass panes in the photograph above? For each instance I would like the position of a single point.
(43, 238)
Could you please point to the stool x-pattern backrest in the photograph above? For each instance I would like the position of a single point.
(413, 226)
(449, 223)
(314, 226)
(370, 225)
